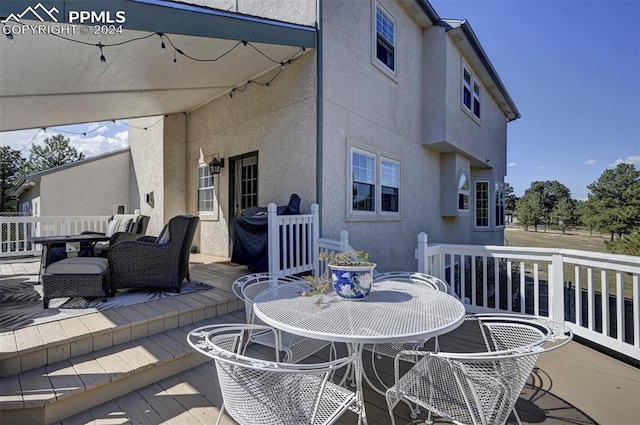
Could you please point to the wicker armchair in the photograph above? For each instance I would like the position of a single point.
(149, 262)
(480, 387)
(129, 226)
(262, 391)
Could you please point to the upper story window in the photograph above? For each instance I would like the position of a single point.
(471, 89)
(375, 184)
(389, 185)
(205, 190)
(363, 181)
(499, 205)
(463, 192)
(482, 203)
(385, 38)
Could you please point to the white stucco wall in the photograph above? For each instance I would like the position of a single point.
(367, 109)
(90, 188)
(148, 158)
(175, 165)
(397, 116)
(394, 116)
(279, 122)
(295, 11)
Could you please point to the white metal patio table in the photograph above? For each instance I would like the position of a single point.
(393, 312)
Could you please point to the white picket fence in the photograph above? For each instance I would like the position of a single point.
(596, 294)
(16, 231)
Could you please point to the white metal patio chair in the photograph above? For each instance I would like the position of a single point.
(392, 349)
(257, 391)
(480, 387)
(296, 348)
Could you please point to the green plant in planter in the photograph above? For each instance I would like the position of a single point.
(346, 259)
(320, 285)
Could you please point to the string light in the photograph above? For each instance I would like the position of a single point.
(102, 58)
(177, 51)
(163, 46)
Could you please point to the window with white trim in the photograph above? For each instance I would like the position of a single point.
(389, 185)
(363, 175)
(471, 89)
(385, 38)
(375, 184)
(206, 202)
(499, 196)
(482, 203)
(463, 192)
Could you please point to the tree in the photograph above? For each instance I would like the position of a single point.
(11, 161)
(627, 245)
(55, 151)
(530, 209)
(615, 200)
(509, 202)
(564, 214)
(542, 198)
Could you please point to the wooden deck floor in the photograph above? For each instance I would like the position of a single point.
(572, 385)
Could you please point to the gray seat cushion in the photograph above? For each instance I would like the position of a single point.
(79, 265)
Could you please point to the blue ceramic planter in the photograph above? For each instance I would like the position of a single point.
(352, 283)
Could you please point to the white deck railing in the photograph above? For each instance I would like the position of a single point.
(16, 231)
(292, 241)
(333, 245)
(596, 294)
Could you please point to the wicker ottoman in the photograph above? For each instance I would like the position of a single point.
(76, 277)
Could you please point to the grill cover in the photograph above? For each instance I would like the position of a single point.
(250, 234)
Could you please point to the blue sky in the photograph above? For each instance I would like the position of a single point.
(571, 67)
(573, 70)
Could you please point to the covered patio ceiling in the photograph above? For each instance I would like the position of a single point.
(47, 80)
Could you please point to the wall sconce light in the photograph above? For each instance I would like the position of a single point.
(216, 165)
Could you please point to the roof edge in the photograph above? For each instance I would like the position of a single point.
(17, 188)
(428, 10)
(482, 55)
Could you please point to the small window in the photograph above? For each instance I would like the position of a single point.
(463, 192)
(205, 190)
(364, 181)
(499, 205)
(470, 92)
(385, 38)
(482, 203)
(119, 209)
(389, 185)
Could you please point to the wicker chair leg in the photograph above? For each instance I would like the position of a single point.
(45, 302)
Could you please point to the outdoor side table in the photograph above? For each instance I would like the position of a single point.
(393, 312)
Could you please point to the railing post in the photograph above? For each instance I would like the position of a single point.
(273, 239)
(556, 289)
(423, 262)
(344, 241)
(315, 242)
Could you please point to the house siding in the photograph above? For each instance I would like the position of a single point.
(89, 188)
(147, 151)
(279, 122)
(413, 117)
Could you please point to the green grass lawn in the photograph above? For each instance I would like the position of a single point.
(580, 240)
(517, 236)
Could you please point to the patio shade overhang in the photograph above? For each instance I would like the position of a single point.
(47, 80)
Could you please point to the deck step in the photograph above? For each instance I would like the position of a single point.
(53, 392)
(36, 346)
